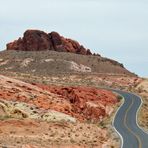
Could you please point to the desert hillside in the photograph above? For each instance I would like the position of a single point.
(50, 109)
(53, 94)
(43, 53)
(45, 63)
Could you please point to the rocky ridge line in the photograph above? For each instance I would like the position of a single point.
(36, 40)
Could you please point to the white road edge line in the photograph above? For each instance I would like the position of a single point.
(138, 112)
(121, 138)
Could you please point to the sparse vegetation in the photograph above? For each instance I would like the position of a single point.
(119, 97)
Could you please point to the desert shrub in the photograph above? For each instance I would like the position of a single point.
(119, 97)
(4, 117)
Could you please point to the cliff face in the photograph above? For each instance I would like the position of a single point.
(35, 40)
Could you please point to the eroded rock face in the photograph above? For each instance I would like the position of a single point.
(35, 40)
(86, 103)
(82, 103)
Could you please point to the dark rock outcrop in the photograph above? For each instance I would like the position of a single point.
(35, 40)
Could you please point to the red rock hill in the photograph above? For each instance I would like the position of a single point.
(35, 40)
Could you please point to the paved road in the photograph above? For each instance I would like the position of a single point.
(126, 122)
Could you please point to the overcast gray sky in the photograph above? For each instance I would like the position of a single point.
(116, 29)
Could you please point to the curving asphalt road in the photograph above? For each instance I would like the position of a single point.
(125, 122)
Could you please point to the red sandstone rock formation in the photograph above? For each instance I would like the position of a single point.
(87, 103)
(35, 40)
(83, 103)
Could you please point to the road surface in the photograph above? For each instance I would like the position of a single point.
(125, 122)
